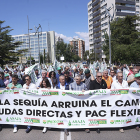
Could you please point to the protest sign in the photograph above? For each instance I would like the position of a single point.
(70, 109)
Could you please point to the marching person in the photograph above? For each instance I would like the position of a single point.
(81, 73)
(36, 73)
(58, 74)
(45, 84)
(44, 74)
(14, 85)
(78, 85)
(113, 75)
(7, 79)
(119, 84)
(64, 86)
(136, 84)
(53, 78)
(88, 78)
(28, 85)
(68, 79)
(131, 77)
(2, 76)
(98, 83)
(108, 79)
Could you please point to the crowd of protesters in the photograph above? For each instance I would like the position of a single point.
(71, 79)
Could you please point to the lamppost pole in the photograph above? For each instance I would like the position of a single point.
(110, 18)
(29, 40)
(37, 31)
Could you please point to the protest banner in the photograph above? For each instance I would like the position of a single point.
(102, 108)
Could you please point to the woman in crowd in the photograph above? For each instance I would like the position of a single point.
(53, 78)
(45, 84)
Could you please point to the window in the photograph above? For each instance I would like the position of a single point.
(137, 6)
(129, 5)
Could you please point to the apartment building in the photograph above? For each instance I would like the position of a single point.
(98, 23)
(78, 47)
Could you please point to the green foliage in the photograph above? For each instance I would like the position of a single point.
(125, 41)
(48, 58)
(86, 54)
(32, 58)
(41, 58)
(8, 46)
(67, 51)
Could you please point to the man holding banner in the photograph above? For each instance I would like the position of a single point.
(119, 84)
(98, 83)
(28, 85)
(14, 85)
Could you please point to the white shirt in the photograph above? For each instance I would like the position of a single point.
(117, 85)
(62, 87)
(31, 86)
(40, 80)
(114, 78)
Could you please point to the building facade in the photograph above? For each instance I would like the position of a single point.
(46, 41)
(78, 47)
(98, 23)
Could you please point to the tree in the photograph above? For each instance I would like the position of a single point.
(44, 57)
(86, 54)
(32, 58)
(8, 46)
(125, 40)
(41, 58)
(67, 51)
(48, 57)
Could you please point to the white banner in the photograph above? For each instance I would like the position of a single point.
(70, 109)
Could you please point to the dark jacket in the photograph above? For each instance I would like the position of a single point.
(2, 85)
(69, 81)
(66, 86)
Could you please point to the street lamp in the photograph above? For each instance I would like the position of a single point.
(29, 39)
(110, 18)
(39, 33)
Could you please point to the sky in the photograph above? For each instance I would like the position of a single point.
(68, 18)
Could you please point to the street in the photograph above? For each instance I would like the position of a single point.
(57, 134)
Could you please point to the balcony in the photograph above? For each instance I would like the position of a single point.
(97, 24)
(96, 13)
(125, 8)
(97, 40)
(124, 14)
(97, 29)
(97, 46)
(126, 2)
(94, 3)
(97, 35)
(99, 56)
(96, 7)
(98, 51)
(96, 18)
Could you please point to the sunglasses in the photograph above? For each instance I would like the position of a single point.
(99, 76)
(26, 79)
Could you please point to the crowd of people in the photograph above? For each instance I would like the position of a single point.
(71, 79)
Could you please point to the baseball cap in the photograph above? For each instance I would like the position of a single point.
(137, 75)
(87, 71)
(58, 68)
(6, 75)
